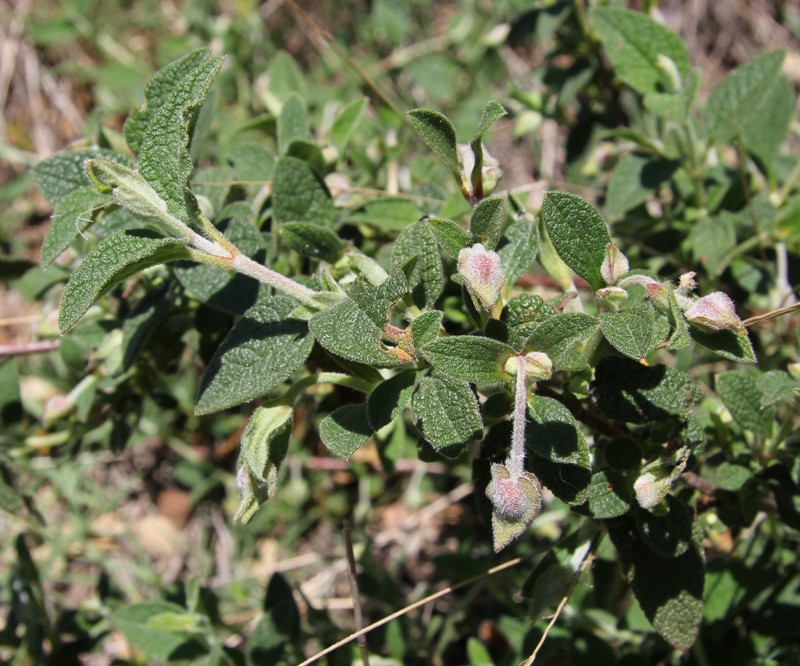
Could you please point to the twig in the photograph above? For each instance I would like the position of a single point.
(553, 619)
(403, 611)
(24, 348)
(760, 319)
(347, 528)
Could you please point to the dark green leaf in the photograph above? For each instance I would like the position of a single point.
(262, 350)
(140, 324)
(523, 314)
(312, 240)
(112, 261)
(736, 101)
(299, 195)
(278, 631)
(10, 401)
(63, 173)
(161, 629)
(727, 476)
(451, 236)
(389, 399)
(741, 395)
(560, 333)
(562, 460)
(487, 219)
(164, 160)
(425, 328)
(732, 345)
(387, 213)
(634, 178)
(634, 42)
(668, 533)
(157, 92)
(518, 247)
(73, 215)
(447, 414)
(426, 280)
(669, 590)
(606, 496)
(631, 331)
(578, 233)
(469, 357)
(777, 386)
(345, 430)
(438, 133)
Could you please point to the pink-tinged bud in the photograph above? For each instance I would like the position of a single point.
(482, 275)
(715, 312)
(655, 289)
(490, 171)
(515, 502)
(614, 266)
(653, 485)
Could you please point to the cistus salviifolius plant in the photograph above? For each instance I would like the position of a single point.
(422, 328)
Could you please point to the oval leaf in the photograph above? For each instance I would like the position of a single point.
(469, 357)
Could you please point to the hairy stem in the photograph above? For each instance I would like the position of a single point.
(515, 463)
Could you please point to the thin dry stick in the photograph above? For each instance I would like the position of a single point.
(22, 319)
(408, 609)
(347, 528)
(24, 348)
(553, 619)
(759, 319)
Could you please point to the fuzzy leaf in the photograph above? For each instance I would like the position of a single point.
(426, 279)
(634, 42)
(262, 350)
(160, 629)
(292, 122)
(387, 213)
(766, 130)
(312, 240)
(578, 234)
(669, 590)
(157, 92)
(777, 386)
(438, 133)
(668, 534)
(487, 218)
(515, 504)
(560, 333)
(63, 173)
(631, 331)
(345, 430)
(740, 393)
(164, 160)
(346, 121)
(733, 345)
(425, 328)
(635, 177)
(523, 314)
(518, 247)
(73, 215)
(451, 236)
(737, 100)
(562, 460)
(605, 496)
(112, 261)
(390, 398)
(469, 357)
(446, 412)
(299, 195)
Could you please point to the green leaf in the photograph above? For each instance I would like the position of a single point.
(387, 213)
(292, 122)
(451, 236)
(668, 533)
(766, 130)
(277, 634)
(140, 324)
(711, 241)
(299, 195)
(346, 122)
(164, 160)
(522, 314)
(606, 497)
(728, 476)
(578, 233)
(390, 398)
(469, 357)
(629, 391)
(631, 331)
(222, 289)
(262, 350)
(557, 335)
(426, 279)
(112, 261)
(679, 337)
(425, 328)
(562, 460)
(492, 112)
(669, 590)
(284, 77)
(487, 218)
(634, 42)
(160, 629)
(733, 345)
(345, 430)
(10, 400)
(777, 386)
(518, 247)
(737, 100)
(446, 412)
(438, 133)
(312, 240)
(741, 395)
(73, 215)
(157, 92)
(63, 173)
(636, 177)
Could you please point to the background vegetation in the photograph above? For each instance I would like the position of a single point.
(115, 494)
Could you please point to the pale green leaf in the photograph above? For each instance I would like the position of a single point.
(63, 173)
(264, 443)
(740, 392)
(387, 213)
(112, 261)
(73, 215)
(345, 123)
(261, 351)
(578, 234)
(425, 328)
(636, 177)
(292, 122)
(451, 236)
(492, 112)
(767, 128)
(518, 247)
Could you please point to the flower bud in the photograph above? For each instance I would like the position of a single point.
(715, 312)
(611, 294)
(490, 170)
(687, 283)
(537, 365)
(482, 274)
(614, 266)
(515, 502)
